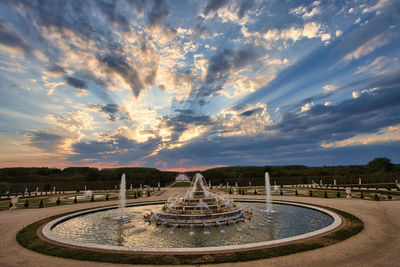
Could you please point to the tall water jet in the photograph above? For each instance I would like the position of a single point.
(122, 195)
(268, 199)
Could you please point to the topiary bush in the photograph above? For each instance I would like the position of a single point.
(26, 204)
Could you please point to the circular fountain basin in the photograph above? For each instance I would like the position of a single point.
(97, 229)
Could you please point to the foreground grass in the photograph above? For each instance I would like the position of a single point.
(28, 238)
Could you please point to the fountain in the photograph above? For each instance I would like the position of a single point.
(122, 195)
(198, 207)
(121, 209)
(202, 220)
(268, 200)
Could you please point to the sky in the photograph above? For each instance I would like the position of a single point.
(191, 85)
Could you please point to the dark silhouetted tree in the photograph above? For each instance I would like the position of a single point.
(380, 164)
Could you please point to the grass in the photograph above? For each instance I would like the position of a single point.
(4, 204)
(182, 184)
(28, 238)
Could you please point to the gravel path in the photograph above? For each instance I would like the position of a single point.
(377, 245)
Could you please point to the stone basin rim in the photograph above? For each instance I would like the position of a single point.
(48, 234)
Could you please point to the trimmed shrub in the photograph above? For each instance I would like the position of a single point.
(26, 204)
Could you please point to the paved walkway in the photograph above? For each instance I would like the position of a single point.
(377, 245)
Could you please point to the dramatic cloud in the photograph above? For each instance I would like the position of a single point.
(180, 84)
(113, 111)
(127, 72)
(79, 84)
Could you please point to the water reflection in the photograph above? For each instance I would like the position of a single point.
(135, 232)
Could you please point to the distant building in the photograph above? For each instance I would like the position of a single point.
(182, 178)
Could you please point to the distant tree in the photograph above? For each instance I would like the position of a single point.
(382, 164)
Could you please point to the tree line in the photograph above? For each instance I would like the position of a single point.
(379, 170)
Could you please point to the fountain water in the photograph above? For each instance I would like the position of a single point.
(268, 199)
(122, 195)
(121, 209)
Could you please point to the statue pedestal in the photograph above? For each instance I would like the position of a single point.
(348, 192)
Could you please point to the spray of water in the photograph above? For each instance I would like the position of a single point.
(268, 193)
(122, 195)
